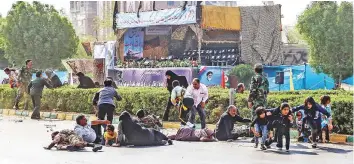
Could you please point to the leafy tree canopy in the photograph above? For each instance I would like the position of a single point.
(37, 31)
(328, 29)
(243, 72)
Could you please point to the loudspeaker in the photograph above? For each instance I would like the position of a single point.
(279, 79)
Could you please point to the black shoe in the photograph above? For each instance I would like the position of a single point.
(263, 147)
(169, 142)
(252, 141)
(256, 145)
(96, 148)
(268, 147)
(287, 150)
(35, 118)
(314, 145)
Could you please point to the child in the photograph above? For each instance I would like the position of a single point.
(260, 123)
(110, 136)
(326, 121)
(303, 134)
(283, 122)
(311, 112)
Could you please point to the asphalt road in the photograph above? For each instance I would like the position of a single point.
(22, 143)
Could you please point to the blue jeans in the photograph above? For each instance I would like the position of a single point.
(201, 113)
(264, 130)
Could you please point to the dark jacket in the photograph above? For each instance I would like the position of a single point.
(86, 82)
(182, 80)
(226, 124)
(35, 87)
(55, 81)
(313, 113)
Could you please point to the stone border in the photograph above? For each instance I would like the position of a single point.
(334, 138)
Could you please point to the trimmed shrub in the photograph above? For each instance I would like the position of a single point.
(154, 100)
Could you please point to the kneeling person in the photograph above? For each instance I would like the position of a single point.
(225, 126)
(149, 121)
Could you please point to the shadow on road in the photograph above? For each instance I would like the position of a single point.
(335, 150)
(291, 152)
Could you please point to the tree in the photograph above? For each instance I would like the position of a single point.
(243, 72)
(293, 36)
(2, 39)
(37, 31)
(328, 29)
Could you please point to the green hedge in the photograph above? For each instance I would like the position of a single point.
(154, 100)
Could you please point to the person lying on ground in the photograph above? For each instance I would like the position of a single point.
(225, 126)
(110, 136)
(191, 134)
(148, 121)
(131, 133)
(312, 117)
(84, 130)
(68, 140)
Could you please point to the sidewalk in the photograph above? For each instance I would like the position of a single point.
(334, 138)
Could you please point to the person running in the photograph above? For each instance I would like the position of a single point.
(326, 122)
(260, 124)
(225, 125)
(171, 76)
(24, 78)
(104, 100)
(311, 114)
(35, 89)
(283, 123)
(12, 77)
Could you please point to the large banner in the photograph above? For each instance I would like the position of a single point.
(146, 76)
(175, 16)
(211, 75)
(134, 43)
(218, 17)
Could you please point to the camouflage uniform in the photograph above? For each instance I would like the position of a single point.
(68, 138)
(150, 121)
(259, 88)
(24, 78)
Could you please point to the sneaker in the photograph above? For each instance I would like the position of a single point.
(256, 145)
(268, 147)
(190, 125)
(287, 150)
(263, 147)
(96, 148)
(279, 148)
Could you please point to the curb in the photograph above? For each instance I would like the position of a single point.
(334, 138)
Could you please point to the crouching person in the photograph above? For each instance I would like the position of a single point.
(148, 121)
(68, 140)
(259, 127)
(225, 126)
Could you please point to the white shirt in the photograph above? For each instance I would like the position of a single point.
(199, 95)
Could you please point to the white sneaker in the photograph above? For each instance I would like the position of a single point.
(190, 125)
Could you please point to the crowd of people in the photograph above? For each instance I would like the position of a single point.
(268, 125)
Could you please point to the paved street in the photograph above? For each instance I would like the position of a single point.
(22, 142)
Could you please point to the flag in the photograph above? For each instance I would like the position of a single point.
(222, 79)
(115, 12)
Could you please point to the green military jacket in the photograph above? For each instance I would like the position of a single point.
(25, 75)
(259, 90)
(35, 87)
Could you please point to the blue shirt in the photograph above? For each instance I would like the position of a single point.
(105, 96)
(86, 132)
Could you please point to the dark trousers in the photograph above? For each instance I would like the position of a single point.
(36, 100)
(201, 113)
(167, 109)
(315, 125)
(326, 132)
(106, 109)
(283, 131)
(183, 114)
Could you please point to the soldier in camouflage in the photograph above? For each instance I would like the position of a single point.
(259, 89)
(149, 121)
(24, 78)
(68, 140)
